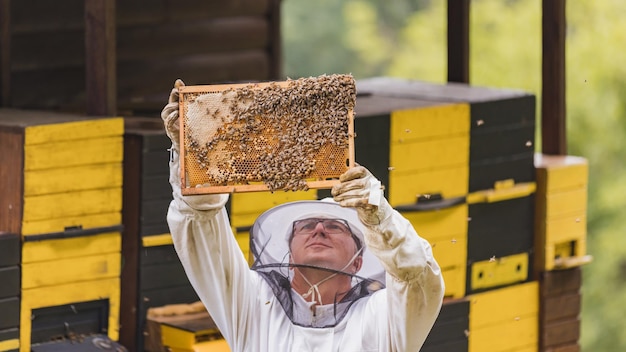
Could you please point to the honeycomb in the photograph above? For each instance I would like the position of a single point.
(288, 135)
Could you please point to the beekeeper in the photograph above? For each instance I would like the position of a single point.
(342, 274)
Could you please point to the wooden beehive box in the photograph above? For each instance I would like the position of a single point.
(289, 135)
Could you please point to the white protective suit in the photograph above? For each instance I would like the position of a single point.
(242, 304)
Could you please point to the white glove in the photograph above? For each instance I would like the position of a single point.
(170, 115)
(359, 189)
(172, 129)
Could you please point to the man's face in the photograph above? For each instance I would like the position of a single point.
(324, 242)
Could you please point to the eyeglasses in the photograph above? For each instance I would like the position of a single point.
(331, 226)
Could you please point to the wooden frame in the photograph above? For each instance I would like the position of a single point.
(314, 182)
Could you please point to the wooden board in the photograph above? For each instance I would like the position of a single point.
(76, 247)
(502, 228)
(9, 339)
(89, 343)
(78, 318)
(10, 281)
(67, 294)
(10, 308)
(62, 271)
(559, 317)
(10, 249)
(288, 135)
(450, 328)
(208, 41)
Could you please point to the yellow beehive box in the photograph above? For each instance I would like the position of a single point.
(414, 168)
(64, 294)
(446, 231)
(66, 167)
(505, 319)
(561, 212)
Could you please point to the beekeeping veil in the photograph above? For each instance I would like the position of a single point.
(270, 244)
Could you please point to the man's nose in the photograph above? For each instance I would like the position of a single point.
(319, 229)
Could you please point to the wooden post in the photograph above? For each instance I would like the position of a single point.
(100, 56)
(553, 110)
(5, 52)
(275, 49)
(458, 40)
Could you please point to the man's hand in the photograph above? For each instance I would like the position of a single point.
(170, 115)
(359, 189)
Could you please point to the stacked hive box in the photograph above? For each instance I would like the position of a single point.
(63, 196)
(458, 163)
(494, 171)
(152, 275)
(190, 332)
(561, 220)
(460, 167)
(392, 142)
(9, 292)
(560, 247)
(449, 333)
(505, 319)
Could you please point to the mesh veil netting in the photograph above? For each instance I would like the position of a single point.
(269, 243)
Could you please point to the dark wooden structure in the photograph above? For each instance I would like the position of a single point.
(107, 57)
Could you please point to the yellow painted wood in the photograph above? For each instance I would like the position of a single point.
(501, 193)
(446, 231)
(219, 345)
(73, 153)
(71, 204)
(561, 203)
(66, 294)
(8, 345)
(70, 179)
(499, 271)
(566, 228)
(534, 347)
(504, 304)
(439, 223)
(64, 271)
(242, 220)
(557, 173)
(258, 202)
(157, 240)
(75, 130)
(414, 156)
(566, 254)
(56, 249)
(507, 336)
(561, 238)
(429, 122)
(406, 187)
(560, 216)
(90, 221)
(450, 251)
(454, 279)
(175, 337)
(246, 207)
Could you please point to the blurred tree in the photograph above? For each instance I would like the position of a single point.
(407, 38)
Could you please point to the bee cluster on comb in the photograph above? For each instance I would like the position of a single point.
(289, 135)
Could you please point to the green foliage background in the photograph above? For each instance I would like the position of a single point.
(407, 38)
